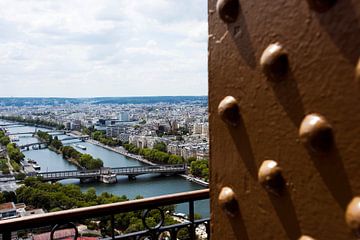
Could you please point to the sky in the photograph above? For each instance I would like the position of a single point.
(88, 48)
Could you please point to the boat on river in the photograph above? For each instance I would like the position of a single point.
(34, 164)
(80, 146)
(14, 139)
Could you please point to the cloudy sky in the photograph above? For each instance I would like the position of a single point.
(84, 48)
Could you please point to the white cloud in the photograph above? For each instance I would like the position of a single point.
(103, 47)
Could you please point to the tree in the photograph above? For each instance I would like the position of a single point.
(191, 159)
(200, 168)
(14, 153)
(175, 159)
(56, 143)
(160, 146)
(4, 140)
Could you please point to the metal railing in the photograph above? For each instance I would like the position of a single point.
(69, 218)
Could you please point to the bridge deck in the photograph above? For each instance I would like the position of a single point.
(129, 171)
(23, 133)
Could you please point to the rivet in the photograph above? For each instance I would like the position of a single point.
(227, 201)
(304, 237)
(270, 176)
(321, 5)
(229, 110)
(352, 215)
(316, 133)
(228, 10)
(274, 61)
(357, 72)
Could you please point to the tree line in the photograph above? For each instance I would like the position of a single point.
(198, 168)
(4, 140)
(85, 161)
(13, 152)
(101, 137)
(36, 121)
(154, 155)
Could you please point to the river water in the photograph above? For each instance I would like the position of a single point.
(144, 185)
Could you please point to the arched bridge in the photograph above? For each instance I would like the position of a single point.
(126, 171)
(81, 138)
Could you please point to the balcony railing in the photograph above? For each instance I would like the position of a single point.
(69, 218)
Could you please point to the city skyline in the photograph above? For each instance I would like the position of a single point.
(103, 49)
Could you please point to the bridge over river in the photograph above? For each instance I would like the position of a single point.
(52, 133)
(108, 174)
(39, 144)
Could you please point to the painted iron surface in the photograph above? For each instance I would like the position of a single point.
(322, 44)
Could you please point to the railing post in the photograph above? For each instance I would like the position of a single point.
(208, 230)
(191, 218)
(112, 227)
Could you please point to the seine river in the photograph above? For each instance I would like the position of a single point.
(144, 185)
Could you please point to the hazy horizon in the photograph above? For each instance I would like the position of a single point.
(82, 49)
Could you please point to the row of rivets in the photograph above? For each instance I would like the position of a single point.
(315, 133)
(228, 10)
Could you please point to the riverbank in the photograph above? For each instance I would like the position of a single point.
(122, 151)
(195, 180)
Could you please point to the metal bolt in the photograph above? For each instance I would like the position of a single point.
(316, 133)
(228, 10)
(227, 201)
(229, 110)
(352, 215)
(304, 237)
(321, 5)
(357, 72)
(270, 176)
(274, 61)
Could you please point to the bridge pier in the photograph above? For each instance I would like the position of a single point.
(132, 177)
(88, 180)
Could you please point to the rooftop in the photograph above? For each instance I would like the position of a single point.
(7, 206)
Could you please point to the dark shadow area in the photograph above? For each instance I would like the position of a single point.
(342, 25)
(237, 224)
(332, 172)
(321, 6)
(287, 93)
(243, 145)
(240, 34)
(285, 211)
